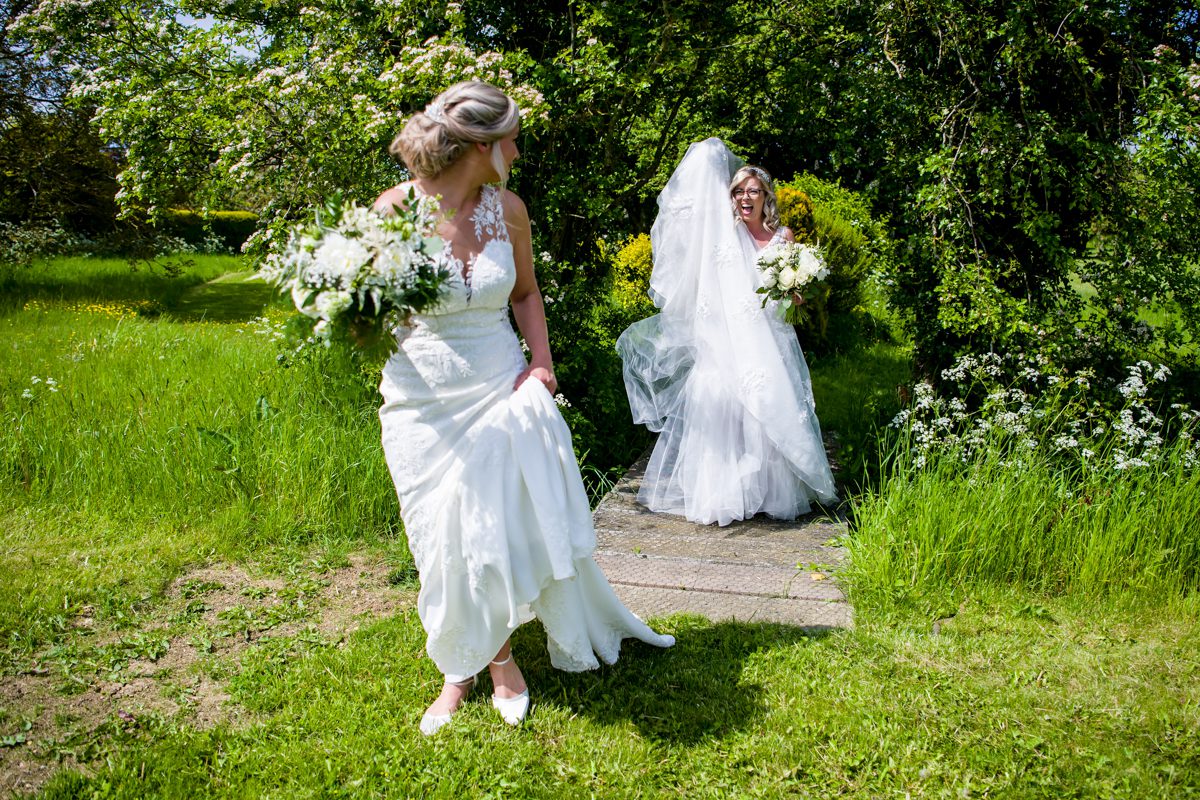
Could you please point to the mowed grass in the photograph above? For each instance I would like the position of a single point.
(174, 440)
(1002, 701)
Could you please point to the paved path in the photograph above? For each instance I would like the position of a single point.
(760, 570)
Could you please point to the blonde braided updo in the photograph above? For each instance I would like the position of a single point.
(467, 113)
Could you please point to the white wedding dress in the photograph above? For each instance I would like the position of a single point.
(718, 376)
(494, 508)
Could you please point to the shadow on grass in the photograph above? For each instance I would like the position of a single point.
(163, 281)
(691, 692)
(230, 298)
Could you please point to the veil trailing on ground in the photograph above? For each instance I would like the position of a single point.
(719, 377)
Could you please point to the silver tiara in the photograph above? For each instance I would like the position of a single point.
(436, 110)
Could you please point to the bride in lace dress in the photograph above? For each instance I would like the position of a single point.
(494, 508)
(719, 377)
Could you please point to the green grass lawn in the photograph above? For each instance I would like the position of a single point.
(204, 591)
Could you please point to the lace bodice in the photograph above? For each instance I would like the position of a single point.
(486, 277)
(467, 337)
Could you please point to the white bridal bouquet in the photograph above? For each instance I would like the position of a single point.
(353, 263)
(790, 270)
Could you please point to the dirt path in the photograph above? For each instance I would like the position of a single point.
(74, 695)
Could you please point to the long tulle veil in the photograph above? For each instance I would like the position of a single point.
(719, 377)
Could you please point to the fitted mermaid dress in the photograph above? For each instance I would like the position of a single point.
(493, 504)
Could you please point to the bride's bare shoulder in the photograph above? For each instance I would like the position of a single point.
(514, 208)
(397, 196)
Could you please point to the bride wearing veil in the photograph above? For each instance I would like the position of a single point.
(719, 377)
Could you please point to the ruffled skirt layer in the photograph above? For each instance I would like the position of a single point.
(498, 522)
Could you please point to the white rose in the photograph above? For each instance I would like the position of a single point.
(340, 256)
(812, 265)
(770, 254)
(394, 264)
(787, 278)
(330, 304)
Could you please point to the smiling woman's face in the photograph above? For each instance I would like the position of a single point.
(748, 198)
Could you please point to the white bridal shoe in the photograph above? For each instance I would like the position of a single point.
(512, 709)
(432, 723)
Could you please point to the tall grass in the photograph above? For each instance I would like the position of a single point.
(121, 428)
(926, 531)
(1040, 486)
(182, 419)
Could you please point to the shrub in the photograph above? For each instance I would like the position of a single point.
(796, 210)
(216, 230)
(20, 244)
(583, 336)
(632, 264)
(854, 244)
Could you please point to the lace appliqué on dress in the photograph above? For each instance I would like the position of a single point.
(753, 381)
(726, 255)
(488, 219)
(748, 307)
(489, 215)
(680, 209)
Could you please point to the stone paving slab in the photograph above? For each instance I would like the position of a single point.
(758, 570)
(705, 576)
(648, 601)
(732, 546)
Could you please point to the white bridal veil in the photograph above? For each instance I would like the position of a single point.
(719, 377)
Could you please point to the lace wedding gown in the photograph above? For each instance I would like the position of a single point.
(719, 377)
(494, 508)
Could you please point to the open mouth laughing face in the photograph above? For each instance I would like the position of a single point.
(748, 197)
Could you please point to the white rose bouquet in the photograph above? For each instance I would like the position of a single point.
(790, 271)
(352, 263)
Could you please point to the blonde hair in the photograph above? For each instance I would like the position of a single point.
(771, 220)
(467, 113)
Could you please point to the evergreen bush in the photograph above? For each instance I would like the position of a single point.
(854, 244)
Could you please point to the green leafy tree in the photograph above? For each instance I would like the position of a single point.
(54, 169)
(1016, 147)
(1019, 150)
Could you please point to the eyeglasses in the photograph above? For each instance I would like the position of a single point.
(753, 194)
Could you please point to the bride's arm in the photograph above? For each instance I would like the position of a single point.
(526, 298)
